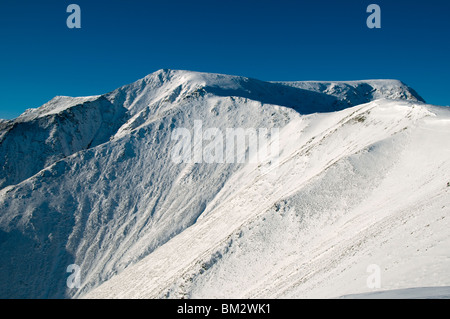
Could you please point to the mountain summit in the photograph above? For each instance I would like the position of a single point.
(66, 125)
(358, 179)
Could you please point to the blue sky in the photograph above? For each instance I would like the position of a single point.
(121, 41)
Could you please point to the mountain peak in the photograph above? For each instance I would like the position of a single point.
(171, 84)
(168, 85)
(92, 182)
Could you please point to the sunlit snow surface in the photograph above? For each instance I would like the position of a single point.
(361, 179)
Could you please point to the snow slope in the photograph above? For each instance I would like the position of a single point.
(62, 127)
(90, 181)
(377, 195)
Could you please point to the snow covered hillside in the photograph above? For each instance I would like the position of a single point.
(360, 178)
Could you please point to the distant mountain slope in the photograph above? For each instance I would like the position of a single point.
(352, 93)
(91, 181)
(38, 139)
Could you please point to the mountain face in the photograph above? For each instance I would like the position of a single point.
(354, 174)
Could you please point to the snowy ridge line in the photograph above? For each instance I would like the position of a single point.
(93, 184)
(171, 85)
(55, 105)
(45, 138)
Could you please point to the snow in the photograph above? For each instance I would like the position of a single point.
(62, 127)
(313, 231)
(55, 106)
(408, 293)
(358, 92)
(361, 180)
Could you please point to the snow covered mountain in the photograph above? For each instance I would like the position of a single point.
(360, 178)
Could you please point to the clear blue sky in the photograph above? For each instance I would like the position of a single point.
(122, 41)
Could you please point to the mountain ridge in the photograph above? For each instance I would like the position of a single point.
(89, 181)
(201, 79)
(148, 95)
